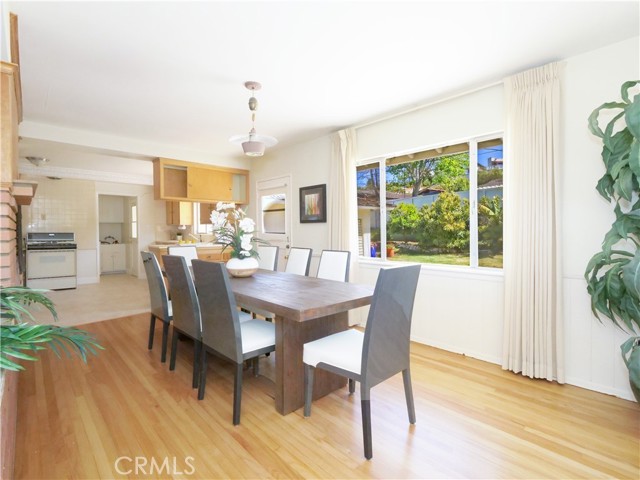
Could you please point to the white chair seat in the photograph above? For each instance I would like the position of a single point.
(244, 316)
(342, 350)
(257, 334)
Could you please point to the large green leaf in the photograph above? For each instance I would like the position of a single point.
(625, 183)
(619, 141)
(626, 86)
(634, 157)
(593, 118)
(632, 117)
(605, 186)
(631, 276)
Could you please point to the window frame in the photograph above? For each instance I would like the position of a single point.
(473, 143)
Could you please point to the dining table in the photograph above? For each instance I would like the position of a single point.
(306, 309)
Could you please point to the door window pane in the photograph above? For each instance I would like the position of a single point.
(273, 209)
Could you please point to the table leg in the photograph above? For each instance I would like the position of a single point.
(290, 338)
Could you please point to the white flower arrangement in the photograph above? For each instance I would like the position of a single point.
(234, 229)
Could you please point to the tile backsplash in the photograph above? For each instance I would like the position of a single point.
(65, 205)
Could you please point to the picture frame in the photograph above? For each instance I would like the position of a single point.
(313, 204)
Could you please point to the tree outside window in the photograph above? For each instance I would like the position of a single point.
(434, 201)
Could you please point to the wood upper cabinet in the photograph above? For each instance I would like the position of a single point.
(179, 213)
(203, 183)
(194, 182)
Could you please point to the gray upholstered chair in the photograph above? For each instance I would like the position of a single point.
(379, 353)
(299, 261)
(334, 265)
(222, 332)
(160, 304)
(190, 252)
(268, 260)
(186, 309)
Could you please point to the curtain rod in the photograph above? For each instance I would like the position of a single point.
(420, 107)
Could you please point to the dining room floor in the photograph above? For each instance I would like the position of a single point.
(115, 296)
(125, 415)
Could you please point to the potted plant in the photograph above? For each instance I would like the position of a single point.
(613, 274)
(19, 340)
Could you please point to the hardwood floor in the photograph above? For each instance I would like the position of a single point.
(473, 421)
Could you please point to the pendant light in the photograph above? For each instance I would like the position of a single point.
(253, 144)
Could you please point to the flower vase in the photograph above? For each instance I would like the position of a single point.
(242, 267)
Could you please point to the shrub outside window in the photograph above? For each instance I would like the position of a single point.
(442, 206)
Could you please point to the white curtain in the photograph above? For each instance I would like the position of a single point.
(343, 233)
(533, 330)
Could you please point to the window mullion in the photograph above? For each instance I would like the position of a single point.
(383, 208)
(473, 202)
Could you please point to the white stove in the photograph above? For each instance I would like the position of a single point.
(51, 260)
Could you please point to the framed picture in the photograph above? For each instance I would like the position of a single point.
(313, 204)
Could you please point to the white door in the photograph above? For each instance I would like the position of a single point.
(273, 214)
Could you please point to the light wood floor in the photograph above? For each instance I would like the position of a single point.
(473, 421)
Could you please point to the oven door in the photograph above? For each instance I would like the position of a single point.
(53, 269)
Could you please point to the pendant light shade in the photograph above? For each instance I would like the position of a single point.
(253, 144)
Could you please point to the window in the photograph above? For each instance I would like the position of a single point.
(273, 208)
(198, 226)
(442, 205)
(134, 221)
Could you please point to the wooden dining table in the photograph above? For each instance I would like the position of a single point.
(305, 308)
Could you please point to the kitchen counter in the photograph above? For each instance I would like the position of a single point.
(206, 251)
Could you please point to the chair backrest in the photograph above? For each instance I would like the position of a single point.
(334, 265)
(184, 300)
(157, 288)
(299, 261)
(220, 323)
(187, 251)
(268, 257)
(385, 351)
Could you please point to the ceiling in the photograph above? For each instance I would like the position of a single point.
(171, 74)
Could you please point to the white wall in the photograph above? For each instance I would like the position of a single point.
(151, 214)
(460, 309)
(457, 308)
(308, 164)
(592, 349)
(70, 205)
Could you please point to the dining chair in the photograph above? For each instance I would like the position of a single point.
(190, 252)
(268, 257)
(268, 260)
(299, 261)
(186, 310)
(379, 353)
(222, 332)
(160, 304)
(334, 265)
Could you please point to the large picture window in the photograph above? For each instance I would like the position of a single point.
(442, 205)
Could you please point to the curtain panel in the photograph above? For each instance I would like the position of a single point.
(342, 206)
(533, 327)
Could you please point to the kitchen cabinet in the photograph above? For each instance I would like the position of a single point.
(179, 213)
(196, 182)
(113, 258)
(110, 209)
(211, 253)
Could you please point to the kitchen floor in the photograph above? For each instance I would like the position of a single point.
(114, 297)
